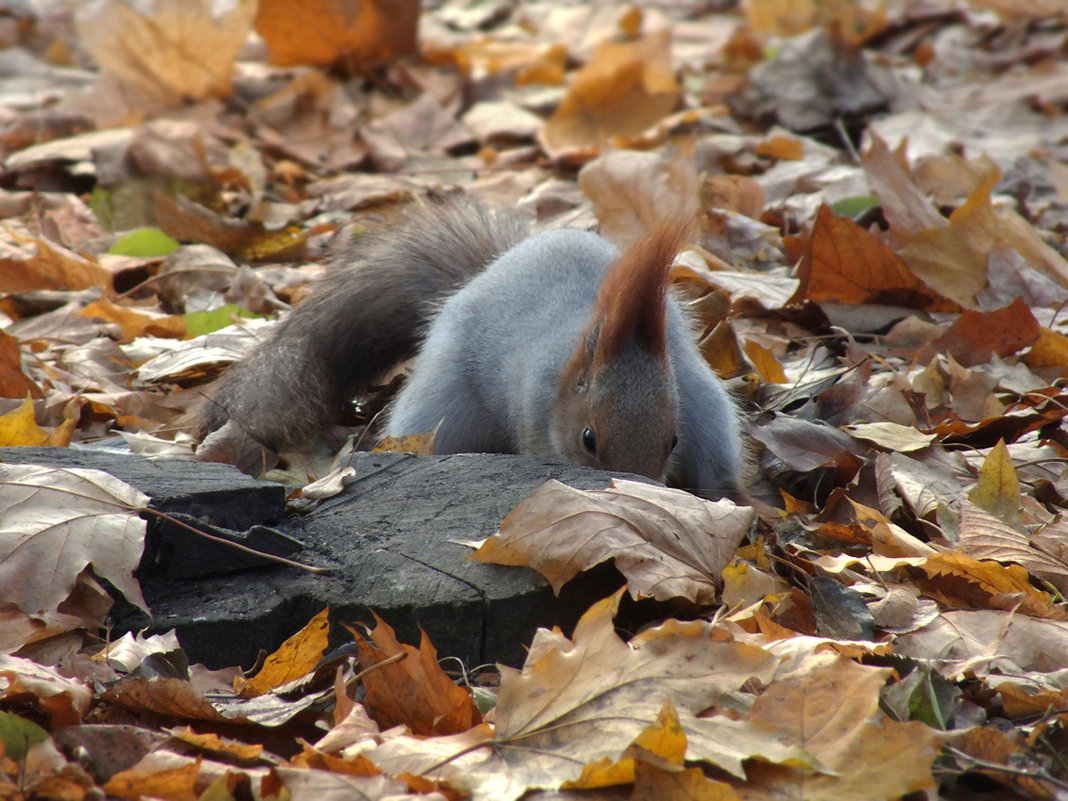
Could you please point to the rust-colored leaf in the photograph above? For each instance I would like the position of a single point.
(844, 263)
(415, 691)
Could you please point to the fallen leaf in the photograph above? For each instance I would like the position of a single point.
(19, 428)
(633, 192)
(334, 33)
(668, 543)
(178, 50)
(623, 89)
(57, 522)
(976, 336)
(843, 263)
(833, 713)
(134, 323)
(953, 258)
(414, 691)
(998, 491)
(892, 436)
(294, 659)
(14, 383)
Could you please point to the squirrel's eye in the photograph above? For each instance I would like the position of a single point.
(589, 441)
(674, 442)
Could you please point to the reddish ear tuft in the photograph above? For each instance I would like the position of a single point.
(632, 301)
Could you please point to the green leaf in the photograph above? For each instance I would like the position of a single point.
(205, 322)
(144, 243)
(19, 735)
(853, 207)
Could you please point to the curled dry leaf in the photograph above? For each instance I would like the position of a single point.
(666, 542)
(57, 522)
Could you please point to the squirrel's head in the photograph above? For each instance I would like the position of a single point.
(617, 397)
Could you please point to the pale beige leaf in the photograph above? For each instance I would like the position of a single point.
(985, 641)
(57, 522)
(633, 192)
(891, 436)
(66, 699)
(179, 51)
(985, 536)
(668, 543)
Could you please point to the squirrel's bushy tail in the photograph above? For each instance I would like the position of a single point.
(364, 318)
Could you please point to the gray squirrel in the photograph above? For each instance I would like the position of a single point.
(554, 344)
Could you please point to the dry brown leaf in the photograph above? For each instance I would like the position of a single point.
(953, 258)
(984, 642)
(415, 691)
(622, 90)
(64, 699)
(40, 264)
(247, 241)
(335, 33)
(580, 700)
(633, 192)
(986, 578)
(294, 659)
(908, 210)
(738, 193)
(832, 712)
(976, 336)
(177, 52)
(843, 263)
(667, 543)
(13, 381)
(987, 536)
(57, 522)
(176, 784)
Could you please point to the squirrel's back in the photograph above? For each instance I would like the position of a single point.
(555, 344)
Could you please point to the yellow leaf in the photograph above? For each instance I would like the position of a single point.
(999, 490)
(18, 427)
(296, 658)
(766, 364)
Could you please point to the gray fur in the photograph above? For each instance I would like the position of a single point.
(489, 369)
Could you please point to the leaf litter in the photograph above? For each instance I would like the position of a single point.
(880, 204)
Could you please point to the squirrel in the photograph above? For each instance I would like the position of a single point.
(553, 344)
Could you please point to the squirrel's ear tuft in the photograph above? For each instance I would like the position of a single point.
(632, 301)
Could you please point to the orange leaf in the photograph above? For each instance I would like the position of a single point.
(414, 691)
(176, 784)
(134, 323)
(297, 657)
(338, 33)
(844, 263)
(13, 382)
(766, 364)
